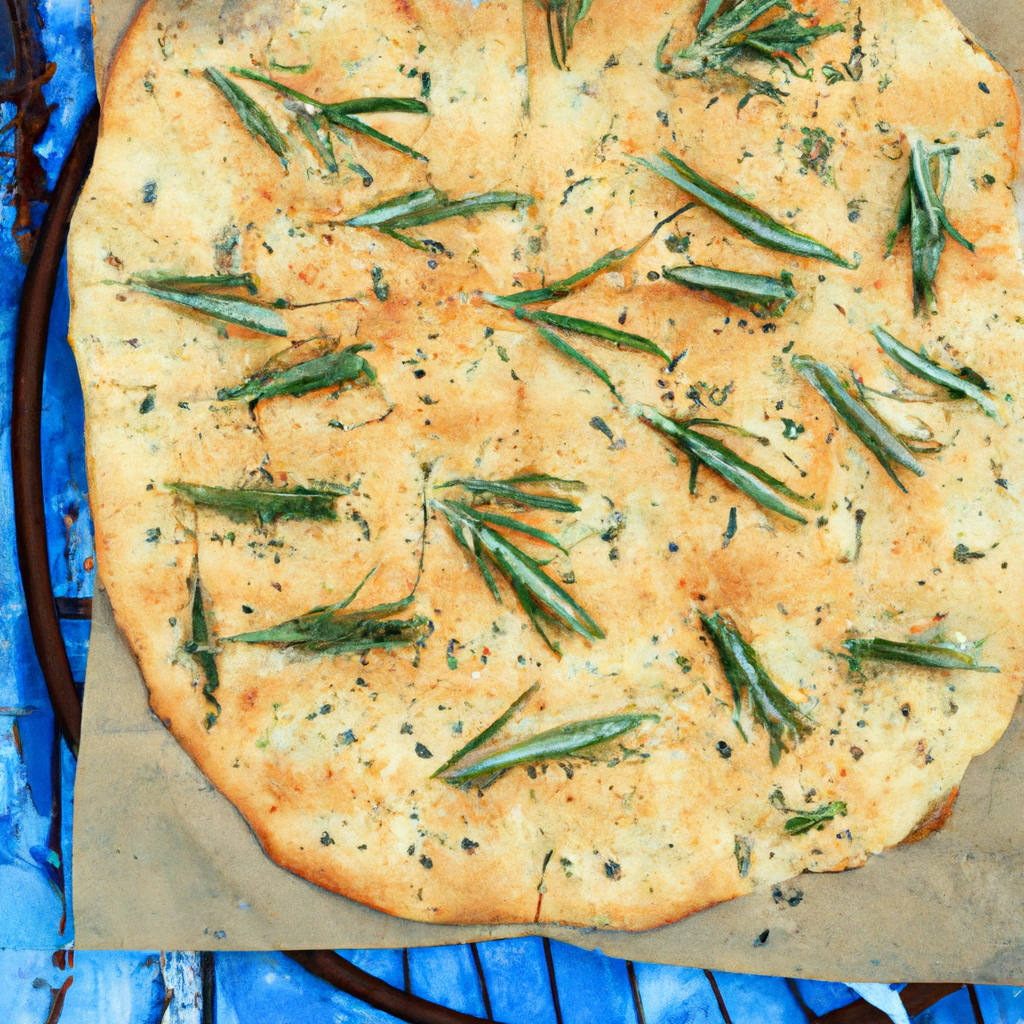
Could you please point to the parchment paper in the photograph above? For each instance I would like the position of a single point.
(162, 860)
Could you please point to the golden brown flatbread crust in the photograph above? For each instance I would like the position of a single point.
(341, 796)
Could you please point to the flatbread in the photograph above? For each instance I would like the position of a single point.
(329, 758)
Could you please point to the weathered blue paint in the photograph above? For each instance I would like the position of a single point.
(133, 987)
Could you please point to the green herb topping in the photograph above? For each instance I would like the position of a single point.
(805, 821)
(559, 289)
(563, 16)
(242, 505)
(511, 489)
(928, 655)
(341, 115)
(965, 384)
(746, 218)
(763, 296)
(250, 113)
(921, 210)
(726, 43)
(563, 741)
(196, 294)
(543, 600)
(703, 450)
(769, 706)
(329, 630)
(199, 647)
(323, 372)
(482, 737)
(429, 206)
(593, 330)
(877, 437)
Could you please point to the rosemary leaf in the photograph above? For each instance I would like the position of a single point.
(770, 707)
(561, 741)
(703, 450)
(330, 630)
(966, 384)
(341, 114)
(321, 143)
(562, 17)
(575, 354)
(807, 820)
(559, 289)
(726, 43)
(922, 210)
(250, 113)
(509, 490)
(870, 428)
(429, 206)
(495, 726)
(242, 505)
(514, 524)
(763, 296)
(746, 218)
(928, 655)
(593, 330)
(184, 282)
(539, 595)
(199, 647)
(302, 378)
(229, 309)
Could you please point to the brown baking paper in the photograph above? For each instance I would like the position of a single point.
(162, 860)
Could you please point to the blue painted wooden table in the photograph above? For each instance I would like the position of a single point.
(42, 979)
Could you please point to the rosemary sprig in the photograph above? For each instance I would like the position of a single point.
(562, 741)
(323, 372)
(196, 282)
(965, 384)
(341, 115)
(865, 423)
(244, 504)
(540, 596)
(194, 293)
(561, 288)
(927, 655)
(330, 630)
(199, 646)
(753, 481)
(594, 330)
(563, 16)
(922, 210)
(763, 296)
(511, 489)
(746, 218)
(482, 737)
(770, 707)
(559, 343)
(805, 820)
(726, 43)
(428, 206)
(250, 113)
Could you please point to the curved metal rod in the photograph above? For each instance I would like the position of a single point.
(26, 454)
(34, 561)
(337, 971)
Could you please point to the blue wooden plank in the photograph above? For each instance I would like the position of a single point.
(385, 964)
(823, 996)
(447, 975)
(592, 988)
(954, 1009)
(268, 988)
(98, 987)
(1001, 1004)
(676, 995)
(517, 981)
(750, 997)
